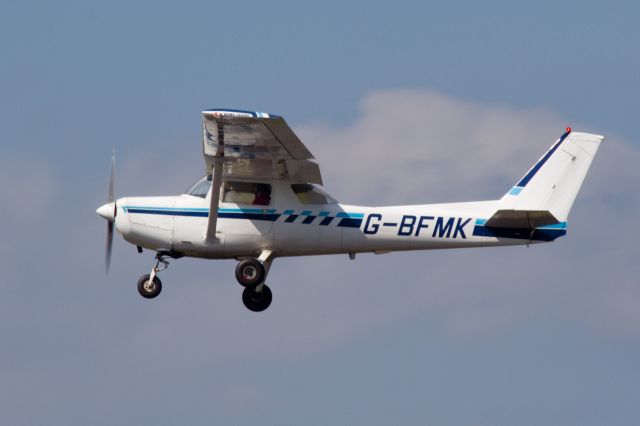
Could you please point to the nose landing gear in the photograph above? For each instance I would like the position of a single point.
(149, 285)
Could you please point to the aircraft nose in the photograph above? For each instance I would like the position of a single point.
(107, 211)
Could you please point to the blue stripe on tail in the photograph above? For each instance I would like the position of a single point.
(525, 180)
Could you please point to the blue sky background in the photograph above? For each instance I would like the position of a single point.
(545, 335)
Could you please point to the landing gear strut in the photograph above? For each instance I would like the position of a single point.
(251, 274)
(149, 285)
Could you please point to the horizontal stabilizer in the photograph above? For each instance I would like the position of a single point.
(521, 219)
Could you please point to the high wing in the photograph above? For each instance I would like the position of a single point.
(256, 145)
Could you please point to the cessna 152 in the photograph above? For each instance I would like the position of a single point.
(259, 201)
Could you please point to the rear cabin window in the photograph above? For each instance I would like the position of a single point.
(200, 188)
(309, 194)
(255, 194)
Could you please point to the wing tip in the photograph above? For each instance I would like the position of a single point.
(230, 112)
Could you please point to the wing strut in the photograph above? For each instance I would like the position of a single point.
(218, 160)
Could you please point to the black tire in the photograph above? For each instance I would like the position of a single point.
(250, 273)
(257, 301)
(149, 291)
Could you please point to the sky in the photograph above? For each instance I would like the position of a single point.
(401, 103)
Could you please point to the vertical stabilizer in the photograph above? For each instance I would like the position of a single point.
(554, 181)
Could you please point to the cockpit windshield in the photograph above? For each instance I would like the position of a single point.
(201, 187)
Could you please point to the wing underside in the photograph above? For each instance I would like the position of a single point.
(256, 145)
(251, 145)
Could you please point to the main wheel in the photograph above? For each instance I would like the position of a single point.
(250, 273)
(257, 301)
(148, 289)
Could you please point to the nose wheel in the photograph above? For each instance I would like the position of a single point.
(149, 285)
(149, 288)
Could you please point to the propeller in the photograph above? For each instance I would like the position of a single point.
(110, 223)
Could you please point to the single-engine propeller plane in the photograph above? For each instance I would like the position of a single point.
(260, 199)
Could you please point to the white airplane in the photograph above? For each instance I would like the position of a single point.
(259, 200)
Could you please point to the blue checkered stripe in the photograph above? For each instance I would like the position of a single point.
(306, 217)
(324, 218)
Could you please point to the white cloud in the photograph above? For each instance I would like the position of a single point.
(413, 146)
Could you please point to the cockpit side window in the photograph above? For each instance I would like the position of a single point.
(201, 187)
(252, 193)
(309, 194)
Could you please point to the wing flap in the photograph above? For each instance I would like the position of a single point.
(283, 133)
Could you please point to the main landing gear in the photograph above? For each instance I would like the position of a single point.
(250, 273)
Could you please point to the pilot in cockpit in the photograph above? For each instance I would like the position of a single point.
(263, 196)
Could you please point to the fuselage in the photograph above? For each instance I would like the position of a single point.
(289, 227)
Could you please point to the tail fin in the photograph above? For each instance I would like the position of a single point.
(554, 181)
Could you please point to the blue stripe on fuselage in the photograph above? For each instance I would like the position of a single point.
(350, 220)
